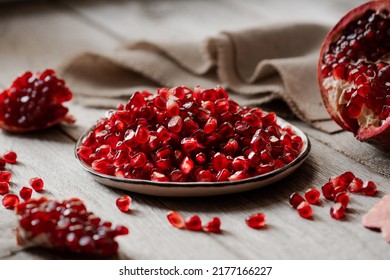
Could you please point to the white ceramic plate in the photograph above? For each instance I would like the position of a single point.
(201, 188)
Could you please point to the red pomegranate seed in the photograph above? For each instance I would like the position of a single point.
(158, 177)
(5, 176)
(337, 211)
(327, 191)
(176, 219)
(36, 183)
(312, 195)
(223, 175)
(123, 203)
(193, 223)
(187, 165)
(256, 221)
(4, 187)
(369, 189)
(219, 161)
(2, 163)
(10, 157)
(175, 124)
(10, 201)
(210, 126)
(295, 199)
(356, 185)
(120, 230)
(240, 164)
(213, 226)
(343, 198)
(343, 180)
(25, 193)
(304, 210)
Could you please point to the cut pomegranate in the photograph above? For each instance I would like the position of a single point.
(213, 226)
(5, 176)
(369, 189)
(176, 219)
(200, 133)
(256, 221)
(354, 71)
(36, 183)
(304, 210)
(65, 225)
(295, 199)
(337, 211)
(312, 195)
(25, 193)
(193, 223)
(4, 187)
(123, 203)
(10, 157)
(10, 201)
(34, 101)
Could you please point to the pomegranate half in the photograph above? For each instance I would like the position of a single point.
(354, 73)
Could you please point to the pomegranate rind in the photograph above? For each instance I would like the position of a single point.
(376, 135)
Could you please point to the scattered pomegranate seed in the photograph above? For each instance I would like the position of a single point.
(5, 176)
(2, 163)
(256, 221)
(25, 193)
(65, 225)
(304, 210)
(312, 195)
(176, 219)
(328, 190)
(213, 226)
(123, 203)
(295, 199)
(193, 223)
(4, 187)
(36, 183)
(356, 185)
(343, 198)
(337, 211)
(369, 189)
(10, 157)
(10, 201)
(343, 180)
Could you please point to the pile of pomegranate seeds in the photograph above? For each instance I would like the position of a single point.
(184, 135)
(65, 225)
(193, 223)
(34, 101)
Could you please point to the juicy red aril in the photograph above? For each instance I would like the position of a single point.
(123, 203)
(176, 219)
(213, 226)
(34, 101)
(65, 225)
(187, 135)
(356, 185)
(25, 193)
(256, 221)
(36, 183)
(4, 187)
(10, 157)
(5, 176)
(328, 190)
(295, 199)
(304, 210)
(343, 198)
(369, 189)
(343, 180)
(193, 223)
(337, 211)
(312, 196)
(9, 201)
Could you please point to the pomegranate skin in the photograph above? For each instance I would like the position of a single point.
(377, 133)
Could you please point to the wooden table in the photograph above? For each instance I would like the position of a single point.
(40, 35)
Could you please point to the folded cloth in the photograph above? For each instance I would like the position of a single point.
(256, 65)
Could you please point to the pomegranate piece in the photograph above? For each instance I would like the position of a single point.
(328, 190)
(295, 199)
(10, 201)
(193, 223)
(4, 187)
(342, 180)
(176, 219)
(201, 133)
(10, 157)
(304, 210)
(354, 70)
(65, 225)
(256, 221)
(337, 211)
(36, 183)
(356, 185)
(5, 176)
(213, 226)
(123, 203)
(25, 193)
(369, 189)
(312, 195)
(343, 198)
(34, 101)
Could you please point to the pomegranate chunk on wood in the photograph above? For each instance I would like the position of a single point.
(65, 225)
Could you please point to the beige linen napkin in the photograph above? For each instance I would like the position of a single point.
(256, 65)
